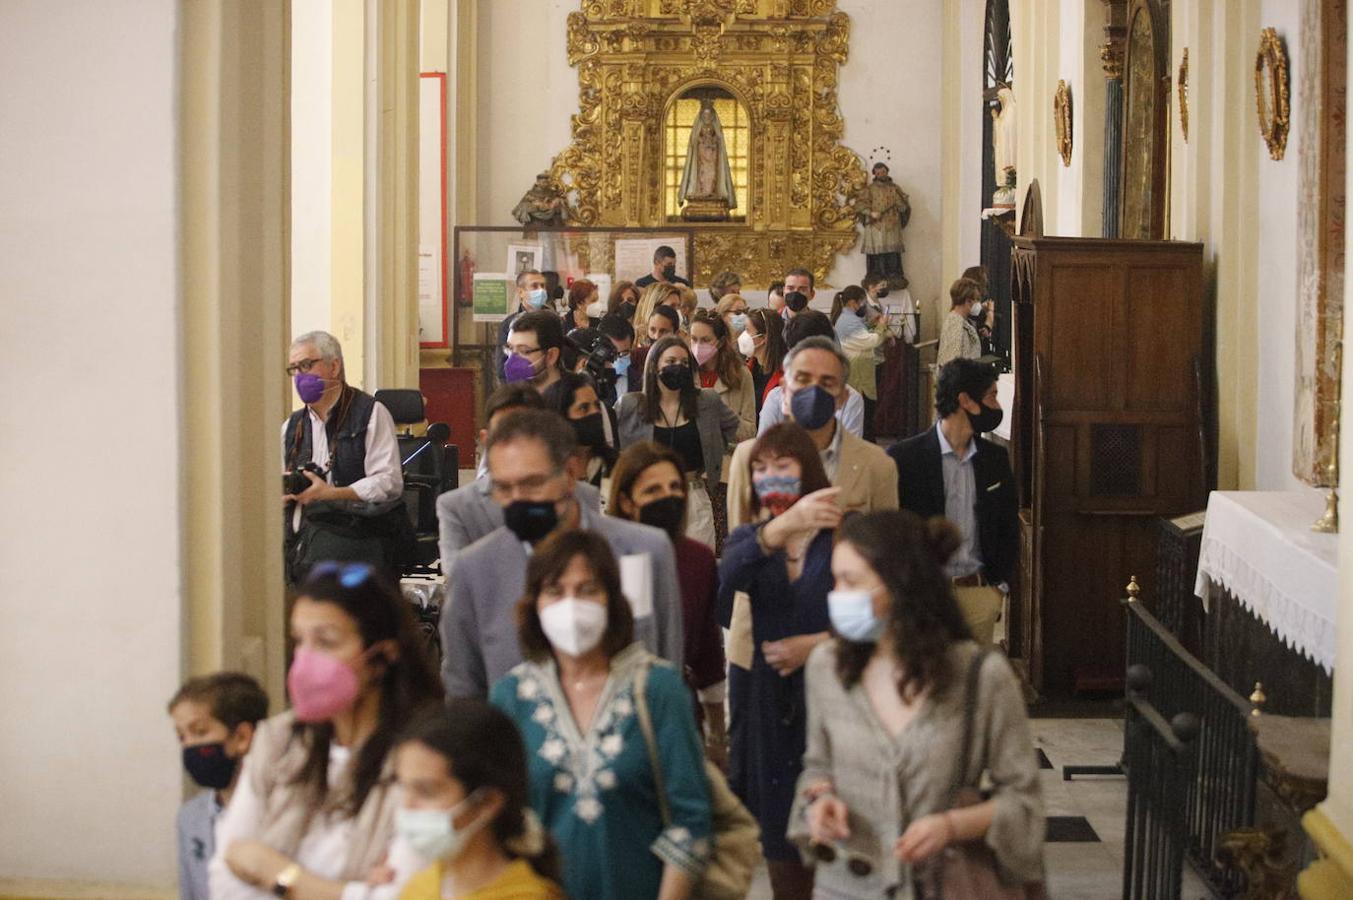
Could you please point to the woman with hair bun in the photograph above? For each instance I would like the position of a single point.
(884, 778)
(466, 809)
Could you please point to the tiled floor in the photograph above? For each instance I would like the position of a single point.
(1090, 811)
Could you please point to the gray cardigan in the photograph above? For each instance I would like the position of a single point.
(888, 782)
(717, 424)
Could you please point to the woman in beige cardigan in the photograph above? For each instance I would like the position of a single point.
(314, 814)
(886, 723)
(958, 337)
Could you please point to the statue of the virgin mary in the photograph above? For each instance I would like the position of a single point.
(707, 182)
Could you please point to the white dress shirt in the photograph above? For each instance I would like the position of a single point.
(321, 852)
(960, 499)
(384, 479)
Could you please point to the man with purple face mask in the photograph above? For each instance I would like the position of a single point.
(343, 443)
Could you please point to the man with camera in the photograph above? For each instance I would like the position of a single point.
(343, 485)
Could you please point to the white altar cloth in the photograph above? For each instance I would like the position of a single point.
(1258, 546)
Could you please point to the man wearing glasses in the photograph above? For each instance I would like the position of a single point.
(532, 478)
(342, 442)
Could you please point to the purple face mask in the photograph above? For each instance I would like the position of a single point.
(518, 368)
(309, 387)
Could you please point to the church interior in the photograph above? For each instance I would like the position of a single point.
(1155, 189)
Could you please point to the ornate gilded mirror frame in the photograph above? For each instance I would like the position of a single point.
(779, 59)
(1061, 108)
(1272, 95)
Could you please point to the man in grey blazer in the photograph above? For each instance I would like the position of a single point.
(469, 512)
(531, 477)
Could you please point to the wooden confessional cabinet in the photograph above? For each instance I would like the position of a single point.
(1109, 435)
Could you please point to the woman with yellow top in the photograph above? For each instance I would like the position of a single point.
(462, 771)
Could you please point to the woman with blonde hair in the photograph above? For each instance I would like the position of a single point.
(687, 304)
(656, 294)
(732, 308)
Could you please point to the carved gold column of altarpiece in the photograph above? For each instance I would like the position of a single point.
(779, 60)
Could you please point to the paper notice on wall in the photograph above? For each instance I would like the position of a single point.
(429, 295)
(603, 283)
(491, 293)
(634, 257)
(636, 580)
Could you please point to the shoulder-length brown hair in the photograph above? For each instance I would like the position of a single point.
(727, 363)
(908, 554)
(618, 292)
(635, 461)
(690, 398)
(789, 439)
(769, 323)
(549, 560)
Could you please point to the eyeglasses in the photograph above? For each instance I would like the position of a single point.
(857, 865)
(521, 351)
(528, 485)
(350, 575)
(302, 366)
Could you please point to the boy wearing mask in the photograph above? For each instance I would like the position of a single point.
(214, 717)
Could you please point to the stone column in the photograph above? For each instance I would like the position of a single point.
(1111, 54)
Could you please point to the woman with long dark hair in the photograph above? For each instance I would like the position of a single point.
(315, 807)
(886, 723)
(762, 342)
(575, 397)
(466, 808)
(782, 562)
(673, 410)
(626, 830)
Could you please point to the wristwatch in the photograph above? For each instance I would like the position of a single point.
(285, 879)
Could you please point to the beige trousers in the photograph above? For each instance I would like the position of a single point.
(981, 607)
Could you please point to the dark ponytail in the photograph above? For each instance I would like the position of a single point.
(483, 749)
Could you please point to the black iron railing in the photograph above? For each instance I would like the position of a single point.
(1221, 795)
(1162, 764)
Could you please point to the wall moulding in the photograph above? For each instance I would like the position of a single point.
(780, 59)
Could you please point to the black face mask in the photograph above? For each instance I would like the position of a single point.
(883, 292)
(988, 420)
(861, 311)
(676, 377)
(669, 272)
(666, 514)
(590, 431)
(209, 766)
(531, 520)
(796, 301)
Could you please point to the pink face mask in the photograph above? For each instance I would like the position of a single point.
(320, 686)
(703, 352)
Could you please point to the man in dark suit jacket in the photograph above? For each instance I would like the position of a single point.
(950, 471)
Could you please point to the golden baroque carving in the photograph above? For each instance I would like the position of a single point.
(780, 59)
(1271, 92)
(1061, 109)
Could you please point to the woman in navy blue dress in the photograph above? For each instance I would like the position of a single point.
(782, 562)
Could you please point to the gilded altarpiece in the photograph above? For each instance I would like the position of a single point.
(779, 60)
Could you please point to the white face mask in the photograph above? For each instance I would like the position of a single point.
(746, 343)
(432, 833)
(573, 626)
(976, 309)
(596, 310)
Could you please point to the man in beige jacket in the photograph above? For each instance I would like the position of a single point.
(864, 473)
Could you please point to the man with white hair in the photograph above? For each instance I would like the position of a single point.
(342, 442)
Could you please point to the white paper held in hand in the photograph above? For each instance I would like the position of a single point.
(636, 580)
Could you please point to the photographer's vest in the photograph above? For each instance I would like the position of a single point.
(350, 417)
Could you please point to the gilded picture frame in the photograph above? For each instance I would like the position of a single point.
(1183, 88)
(1272, 92)
(1061, 107)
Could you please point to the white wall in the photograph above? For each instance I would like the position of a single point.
(89, 543)
(312, 28)
(889, 95)
(1278, 276)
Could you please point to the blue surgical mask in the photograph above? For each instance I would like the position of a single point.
(622, 365)
(536, 299)
(738, 322)
(432, 833)
(812, 407)
(852, 615)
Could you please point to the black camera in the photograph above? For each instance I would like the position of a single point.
(597, 352)
(295, 482)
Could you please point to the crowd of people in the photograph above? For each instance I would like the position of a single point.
(683, 566)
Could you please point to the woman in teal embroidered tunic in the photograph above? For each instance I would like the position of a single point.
(592, 782)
